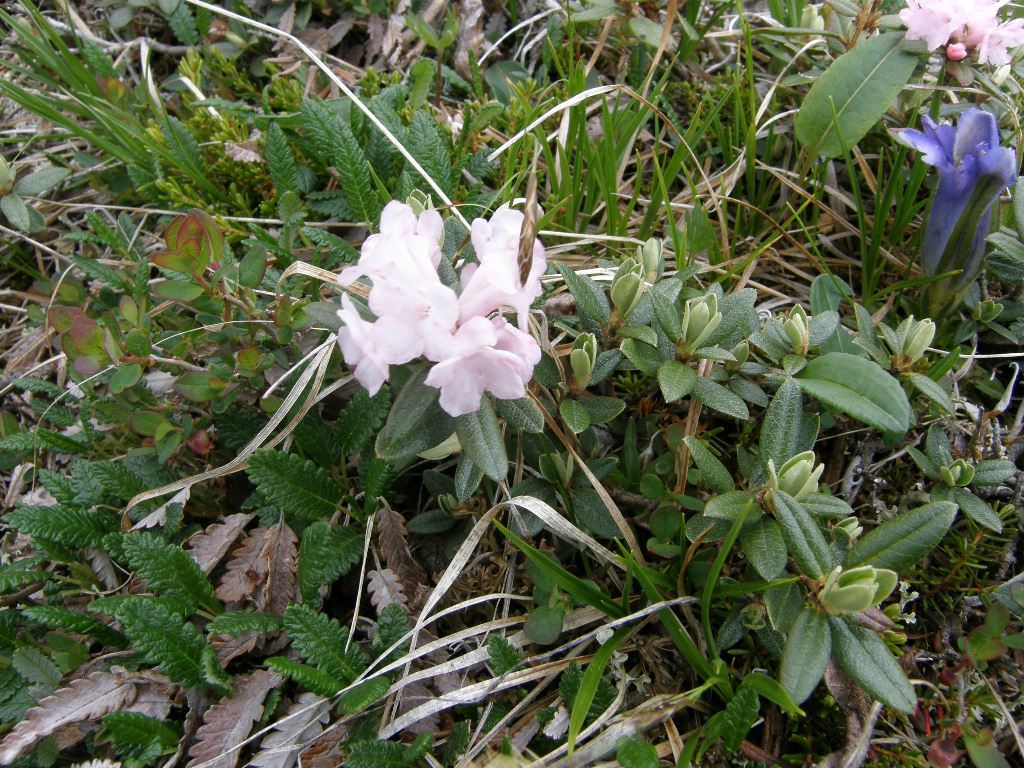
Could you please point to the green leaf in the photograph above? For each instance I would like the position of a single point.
(770, 689)
(235, 623)
(633, 753)
(592, 679)
(728, 505)
(932, 390)
(310, 678)
(160, 637)
(575, 416)
(764, 546)
(327, 553)
(853, 93)
(294, 485)
(993, 472)
(424, 142)
(646, 358)
(805, 654)
(70, 527)
(360, 420)
(676, 380)
(127, 375)
(481, 439)
(803, 537)
(602, 409)
(36, 667)
(739, 717)
(712, 471)
(783, 420)
(57, 617)
(899, 543)
(280, 161)
(168, 570)
(865, 657)
(984, 751)
(521, 414)
(138, 737)
(715, 396)
(467, 479)
(544, 624)
(364, 695)
(321, 641)
(591, 300)
(416, 422)
(504, 656)
(16, 211)
(978, 510)
(859, 388)
(43, 180)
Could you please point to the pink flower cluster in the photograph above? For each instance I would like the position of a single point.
(419, 316)
(963, 26)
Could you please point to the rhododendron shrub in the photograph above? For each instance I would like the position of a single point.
(963, 27)
(461, 330)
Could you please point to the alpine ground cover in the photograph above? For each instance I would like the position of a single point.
(453, 384)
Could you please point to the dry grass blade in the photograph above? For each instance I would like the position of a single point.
(281, 747)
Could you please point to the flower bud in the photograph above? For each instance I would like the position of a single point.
(652, 255)
(958, 474)
(918, 336)
(741, 352)
(798, 331)
(752, 616)
(811, 18)
(797, 477)
(857, 589)
(849, 527)
(628, 287)
(700, 319)
(986, 311)
(581, 359)
(556, 469)
(7, 177)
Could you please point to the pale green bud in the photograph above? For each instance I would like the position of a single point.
(797, 330)
(652, 255)
(811, 18)
(581, 359)
(7, 177)
(752, 616)
(986, 311)
(918, 338)
(797, 477)
(700, 319)
(419, 202)
(850, 528)
(741, 352)
(556, 469)
(856, 589)
(957, 474)
(628, 287)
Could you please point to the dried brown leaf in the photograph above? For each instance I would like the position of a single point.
(86, 698)
(326, 751)
(385, 589)
(280, 553)
(303, 723)
(393, 540)
(227, 723)
(246, 571)
(208, 547)
(229, 647)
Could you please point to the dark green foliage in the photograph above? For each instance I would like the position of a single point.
(137, 737)
(326, 554)
(169, 571)
(67, 526)
(294, 485)
(322, 642)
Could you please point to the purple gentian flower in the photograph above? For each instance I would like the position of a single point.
(973, 170)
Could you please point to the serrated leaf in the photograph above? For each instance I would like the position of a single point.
(326, 554)
(162, 638)
(321, 640)
(805, 654)
(310, 678)
(58, 617)
(899, 543)
(858, 388)
(36, 667)
(70, 527)
(294, 485)
(227, 723)
(364, 695)
(169, 571)
(803, 537)
(864, 656)
(280, 161)
(504, 656)
(299, 727)
(633, 753)
(136, 736)
(235, 623)
(853, 93)
(739, 717)
(360, 420)
(482, 441)
(591, 300)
